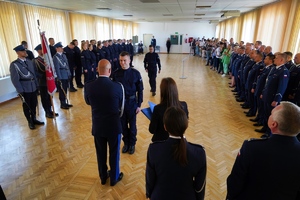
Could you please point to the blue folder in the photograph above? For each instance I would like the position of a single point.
(148, 111)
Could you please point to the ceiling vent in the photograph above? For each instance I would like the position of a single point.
(232, 13)
(203, 7)
(104, 8)
(127, 15)
(149, 1)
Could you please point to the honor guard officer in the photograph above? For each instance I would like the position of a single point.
(133, 85)
(63, 75)
(23, 77)
(151, 61)
(40, 67)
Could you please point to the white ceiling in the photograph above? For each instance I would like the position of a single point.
(181, 10)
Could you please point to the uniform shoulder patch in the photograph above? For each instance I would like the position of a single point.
(256, 139)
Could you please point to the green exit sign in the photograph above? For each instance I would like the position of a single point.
(176, 32)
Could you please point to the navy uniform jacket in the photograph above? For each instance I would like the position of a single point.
(167, 179)
(116, 49)
(93, 59)
(259, 84)
(77, 56)
(107, 53)
(100, 54)
(242, 66)
(40, 68)
(86, 60)
(120, 48)
(61, 66)
(52, 50)
(70, 54)
(289, 64)
(133, 86)
(266, 169)
(112, 52)
(130, 49)
(156, 126)
(30, 55)
(293, 81)
(276, 84)
(253, 74)
(236, 64)
(246, 70)
(105, 98)
(23, 76)
(153, 42)
(151, 60)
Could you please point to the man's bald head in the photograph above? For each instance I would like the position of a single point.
(104, 67)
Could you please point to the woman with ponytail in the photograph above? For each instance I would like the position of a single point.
(176, 169)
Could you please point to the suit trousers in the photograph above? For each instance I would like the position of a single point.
(45, 98)
(114, 156)
(260, 108)
(152, 73)
(29, 108)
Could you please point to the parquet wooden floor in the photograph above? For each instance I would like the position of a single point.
(58, 161)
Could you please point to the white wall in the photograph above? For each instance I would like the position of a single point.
(7, 90)
(162, 31)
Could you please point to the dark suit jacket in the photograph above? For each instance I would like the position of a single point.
(266, 169)
(156, 126)
(105, 98)
(167, 179)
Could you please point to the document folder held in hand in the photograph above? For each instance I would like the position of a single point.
(148, 111)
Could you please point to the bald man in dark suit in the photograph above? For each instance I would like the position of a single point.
(105, 98)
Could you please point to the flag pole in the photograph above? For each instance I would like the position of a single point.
(50, 95)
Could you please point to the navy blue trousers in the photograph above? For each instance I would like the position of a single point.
(152, 73)
(114, 156)
(128, 121)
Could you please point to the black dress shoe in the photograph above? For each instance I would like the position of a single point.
(262, 130)
(56, 114)
(245, 107)
(119, 179)
(131, 149)
(240, 100)
(234, 90)
(250, 115)
(49, 115)
(64, 107)
(37, 122)
(69, 105)
(31, 125)
(254, 120)
(72, 90)
(125, 148)
(103, 181)
(80, 86)
(153, 94)
(246, 112)
(258, 124)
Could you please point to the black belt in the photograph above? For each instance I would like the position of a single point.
(27, 79)
(131, 97)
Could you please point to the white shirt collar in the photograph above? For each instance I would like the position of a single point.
(175, 137)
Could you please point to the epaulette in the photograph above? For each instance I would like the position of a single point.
(256, 139)
(15, 61)
(198, 145)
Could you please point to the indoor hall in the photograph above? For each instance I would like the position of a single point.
(58, 160)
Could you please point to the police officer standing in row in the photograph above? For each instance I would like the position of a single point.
(70, 54)
(23, 77)
(151, 61)
(63, 75)
(40, 68)
(133, 85)
(274, 89)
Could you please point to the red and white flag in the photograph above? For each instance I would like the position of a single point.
(50, 70)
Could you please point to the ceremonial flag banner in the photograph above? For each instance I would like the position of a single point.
(50, 70)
